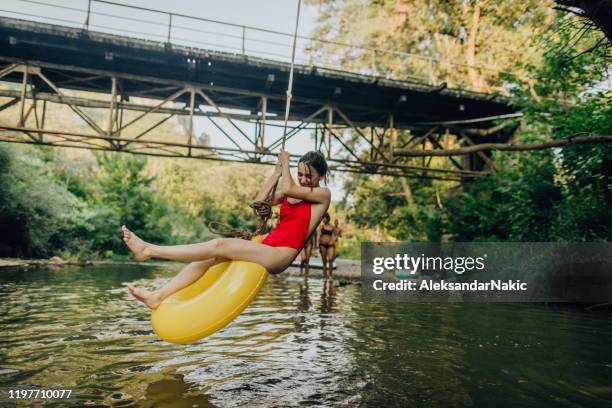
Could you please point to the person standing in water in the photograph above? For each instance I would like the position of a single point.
(306, 253)
(326, 245)
(337, 236)
(302, 208)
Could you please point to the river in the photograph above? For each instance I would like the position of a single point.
(297, 344)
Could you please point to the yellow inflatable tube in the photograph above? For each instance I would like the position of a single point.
(210, 303)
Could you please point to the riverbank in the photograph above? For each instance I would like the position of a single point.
(24, 263)
(345, 268)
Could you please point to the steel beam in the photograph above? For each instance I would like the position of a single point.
(112, 139)
(78, 137)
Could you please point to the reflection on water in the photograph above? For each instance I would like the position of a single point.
(299, 343)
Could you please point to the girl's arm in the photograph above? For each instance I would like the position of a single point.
(334, 237)
(269, 185)
(291, 189)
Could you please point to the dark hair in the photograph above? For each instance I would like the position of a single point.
(316, 160)
(327, 217)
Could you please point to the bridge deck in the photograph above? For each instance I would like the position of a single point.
(234, 80)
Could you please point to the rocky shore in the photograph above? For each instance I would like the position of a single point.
(345, 268)
(56, 260)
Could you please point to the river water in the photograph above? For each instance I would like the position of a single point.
(297, 344)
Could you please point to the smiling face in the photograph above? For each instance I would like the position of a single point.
(308, 175)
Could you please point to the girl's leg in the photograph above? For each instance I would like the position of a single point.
(323, 252)
(303, 260)
(308, 250)
(183, 253)
(184, 278)
(330, 262)
(187, 276)
(274, 259)
(308, 256)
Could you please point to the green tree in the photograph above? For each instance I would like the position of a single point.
(551, 195)
(126, 190)
(560, 194)
(460, 38)
(34, 208)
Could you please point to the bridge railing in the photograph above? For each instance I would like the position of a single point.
(180, 29)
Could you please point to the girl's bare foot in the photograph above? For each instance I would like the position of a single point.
(138, 247)
(151, 299)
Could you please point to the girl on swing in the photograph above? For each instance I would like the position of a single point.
(301, 211)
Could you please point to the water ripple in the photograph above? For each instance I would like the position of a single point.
(297, 344)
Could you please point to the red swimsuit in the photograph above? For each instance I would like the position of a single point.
(292, 230)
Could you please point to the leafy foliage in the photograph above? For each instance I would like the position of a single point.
(67, 203)
(561, 194)
(451, 34)
(125, 190)
(49, 207)
(34, 208)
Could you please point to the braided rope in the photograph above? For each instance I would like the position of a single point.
(263, 209)
(226, 230)
(290, 86)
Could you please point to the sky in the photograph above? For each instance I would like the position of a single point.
(277, 15)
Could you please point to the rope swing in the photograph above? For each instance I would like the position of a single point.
(290, 86)
(263, 209)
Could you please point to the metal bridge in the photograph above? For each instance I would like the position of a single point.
(360, 114)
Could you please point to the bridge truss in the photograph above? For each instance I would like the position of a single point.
(117, 134)
(116, 101)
